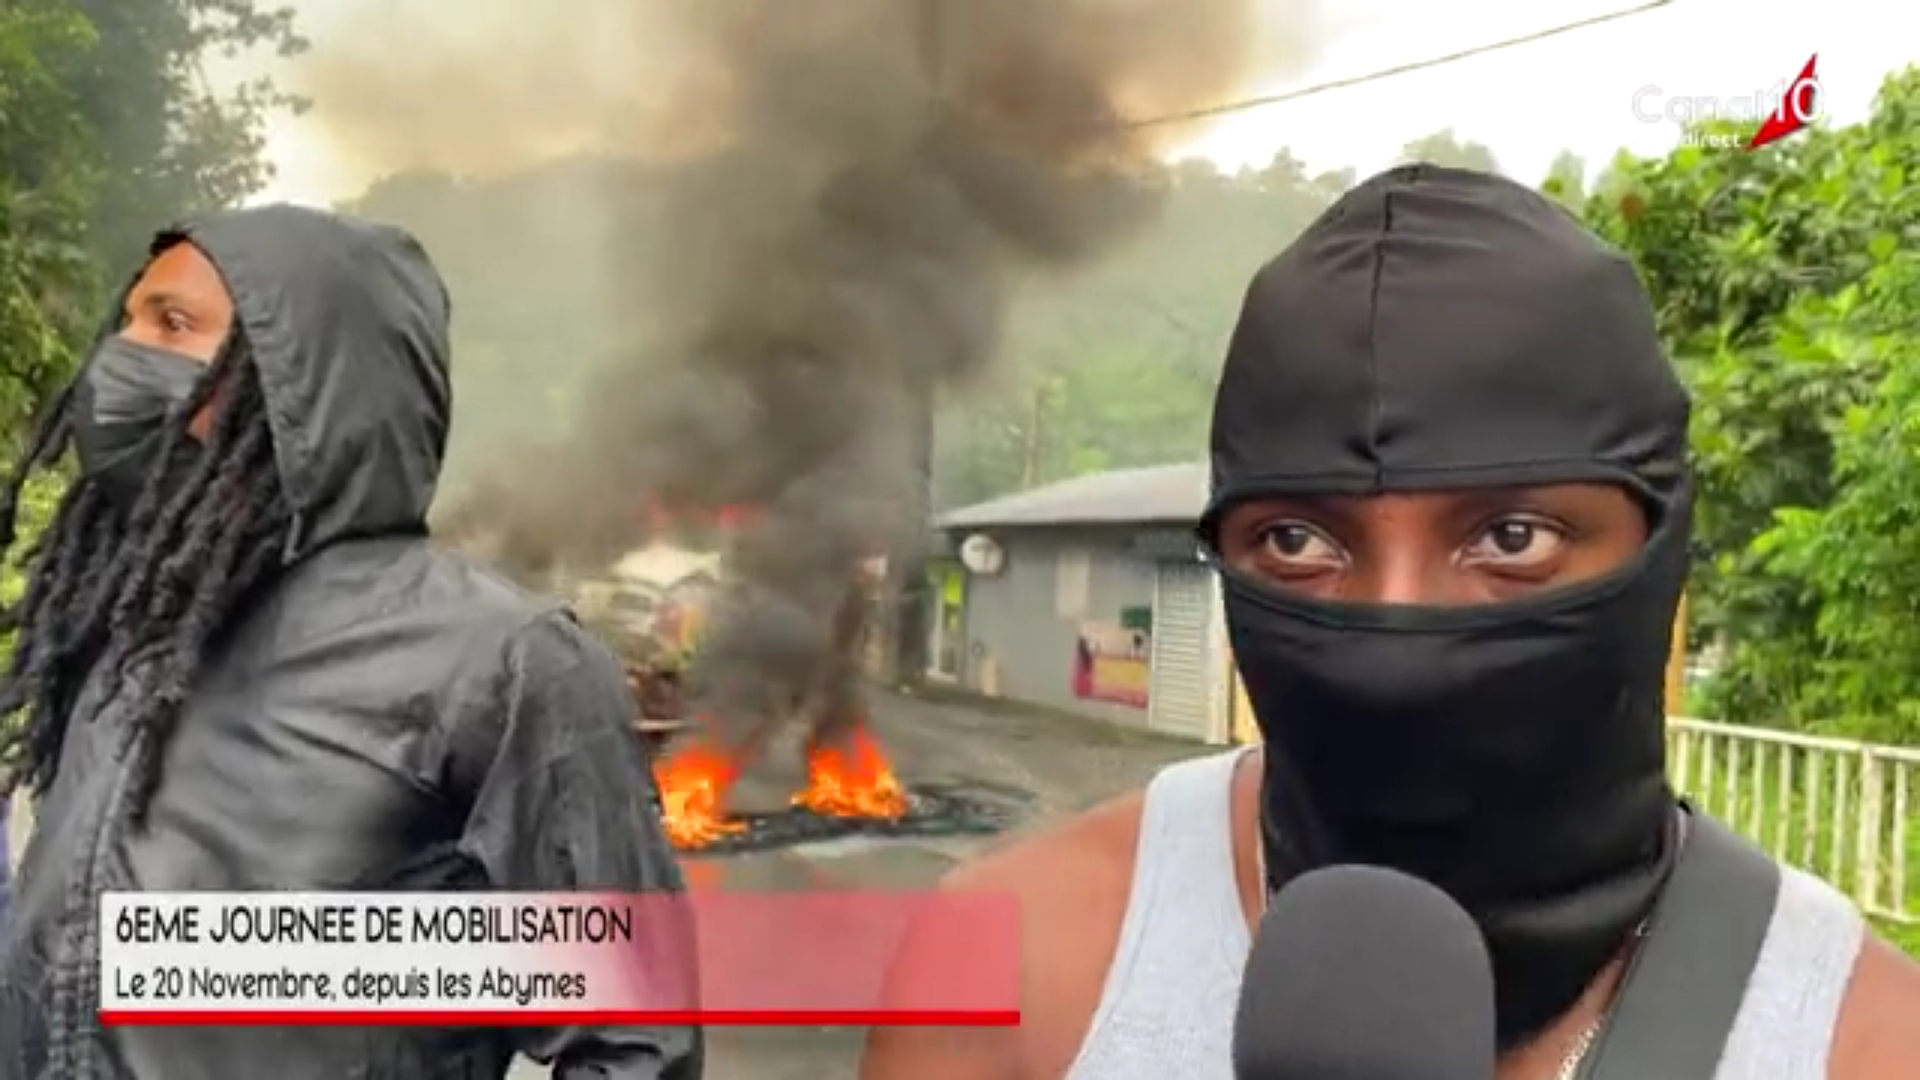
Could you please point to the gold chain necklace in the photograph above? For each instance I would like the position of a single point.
(1582, 1046)
(1578, 1055)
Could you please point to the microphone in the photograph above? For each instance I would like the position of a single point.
(1363, 973)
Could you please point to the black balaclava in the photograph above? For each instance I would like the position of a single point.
(1440, 329)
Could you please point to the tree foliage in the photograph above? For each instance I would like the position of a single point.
(1566, 179)
(1784, 282)
(170, 144)
(48, 178)
(1854, 559)
(107, 131)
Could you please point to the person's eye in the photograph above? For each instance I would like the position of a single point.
(1298, 546)
(1517, 543)
(175, 321)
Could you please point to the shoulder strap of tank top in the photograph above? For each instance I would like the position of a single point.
(1185, 847)
(1683, 989)
(1187, 816)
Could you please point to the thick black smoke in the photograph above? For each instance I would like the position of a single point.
(857, 191)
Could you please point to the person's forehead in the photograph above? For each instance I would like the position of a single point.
(1444, 328)
(181, 271)
(1448, 502)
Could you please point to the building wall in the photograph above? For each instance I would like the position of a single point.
(1024, 623)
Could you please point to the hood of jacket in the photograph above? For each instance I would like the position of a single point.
(348, 322)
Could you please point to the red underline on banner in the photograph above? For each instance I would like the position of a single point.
(588, 1018)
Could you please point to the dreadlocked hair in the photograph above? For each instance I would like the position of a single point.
(138, 593)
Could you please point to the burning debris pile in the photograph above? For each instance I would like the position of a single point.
(853, 783)
(842, 202)
(694, 784)
(848, 777)
(849, 791)
(936, 811)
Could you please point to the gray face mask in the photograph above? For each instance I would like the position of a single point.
(123, 401)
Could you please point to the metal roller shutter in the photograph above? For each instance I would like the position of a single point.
(1181, 700)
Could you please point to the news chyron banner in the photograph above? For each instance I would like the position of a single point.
(559, 959)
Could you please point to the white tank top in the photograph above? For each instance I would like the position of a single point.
(1167, 1007)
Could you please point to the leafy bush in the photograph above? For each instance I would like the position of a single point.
(37, 504)
(1787, 288)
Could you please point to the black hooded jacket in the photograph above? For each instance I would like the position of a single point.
(387, 716)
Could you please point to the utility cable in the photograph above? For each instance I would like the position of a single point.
(1249, 104)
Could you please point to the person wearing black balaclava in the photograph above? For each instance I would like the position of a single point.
(1450, 516)
(239, 663)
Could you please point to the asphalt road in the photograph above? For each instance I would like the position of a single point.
(1040, 764)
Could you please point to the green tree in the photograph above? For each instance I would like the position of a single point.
(1566, 179)
(1856, 557)
(108, 130)
(170, 145)
(1762, 268)
(48, 179)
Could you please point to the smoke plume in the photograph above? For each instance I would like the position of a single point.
(842, 197)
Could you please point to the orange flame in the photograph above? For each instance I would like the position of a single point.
(693, 786)
(852, 779)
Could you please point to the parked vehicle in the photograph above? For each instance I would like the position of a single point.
(649, 607)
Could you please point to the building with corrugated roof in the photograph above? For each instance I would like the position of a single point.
(1089, 596)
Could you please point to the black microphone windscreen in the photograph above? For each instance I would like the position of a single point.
(1361, 973)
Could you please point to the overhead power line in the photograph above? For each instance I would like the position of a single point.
(1249, 104)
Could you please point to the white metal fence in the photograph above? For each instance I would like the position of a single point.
(1844, 810)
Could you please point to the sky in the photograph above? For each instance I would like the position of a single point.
(1575, 92)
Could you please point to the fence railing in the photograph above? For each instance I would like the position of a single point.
(1846, 811)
